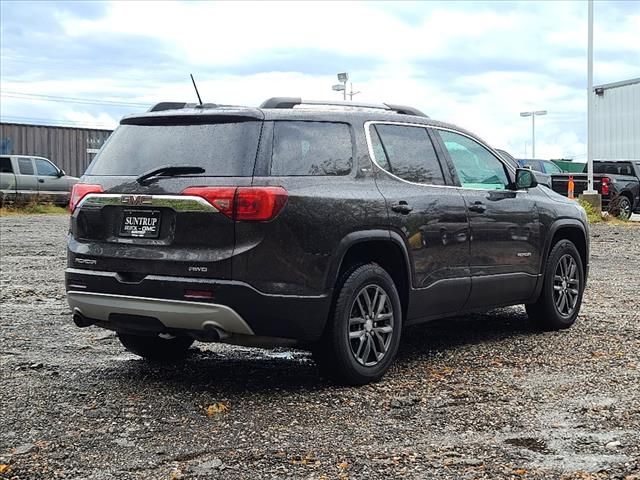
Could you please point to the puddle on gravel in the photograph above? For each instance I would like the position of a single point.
(561, 438)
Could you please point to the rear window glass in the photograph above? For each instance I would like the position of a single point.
(614, 168)
(25, 166)
(311, 148)
(222, 149)
(5, 165)
(408, 153)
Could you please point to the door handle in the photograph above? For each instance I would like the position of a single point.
(402, 207)
(41, 180)
(478, 207)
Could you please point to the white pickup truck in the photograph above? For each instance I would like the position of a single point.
(26, 179)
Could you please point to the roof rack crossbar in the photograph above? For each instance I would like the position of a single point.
(291, 102)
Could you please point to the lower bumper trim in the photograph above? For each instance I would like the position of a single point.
(172, 314)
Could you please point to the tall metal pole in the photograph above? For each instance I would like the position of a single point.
(344, 91)
(533, 135)
(590, 103)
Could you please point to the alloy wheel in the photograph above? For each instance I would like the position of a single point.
(371, 322)
(566, 285)
(625, 209)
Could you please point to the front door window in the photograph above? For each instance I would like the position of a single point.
(476, 166)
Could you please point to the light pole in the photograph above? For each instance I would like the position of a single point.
(343, 78)
(590, 189)
(342, 87)
(533, 128)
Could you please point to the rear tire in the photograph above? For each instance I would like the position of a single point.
(561, 296)
(364, 327)
(156, 348)
(624, 208)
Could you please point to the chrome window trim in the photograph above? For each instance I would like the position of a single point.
(367, 134)
(179, 203)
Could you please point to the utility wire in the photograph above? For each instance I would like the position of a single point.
(55, 98)
(56, 122)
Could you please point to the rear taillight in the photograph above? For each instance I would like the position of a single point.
(257, 204)
(81, 190)
(220, 197)
(604, 185)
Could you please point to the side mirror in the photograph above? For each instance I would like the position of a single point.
(61, 173)
(525, 178)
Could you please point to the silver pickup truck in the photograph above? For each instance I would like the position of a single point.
(26, 179)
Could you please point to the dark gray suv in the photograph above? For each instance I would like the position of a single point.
(327, 226)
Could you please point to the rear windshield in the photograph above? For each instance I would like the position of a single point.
(222, 149)
(614, 168)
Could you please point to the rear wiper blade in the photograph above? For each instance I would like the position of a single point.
(168, 171)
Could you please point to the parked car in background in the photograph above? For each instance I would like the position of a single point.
(613, 179)
(544, 166)
(541, 177)
(25, 179)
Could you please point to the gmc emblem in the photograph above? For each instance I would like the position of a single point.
(136, 199)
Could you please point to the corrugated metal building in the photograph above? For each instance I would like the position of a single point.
(616, 121)
(72, 149)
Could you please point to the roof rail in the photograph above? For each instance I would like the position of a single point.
(291, 102)
(159, 107)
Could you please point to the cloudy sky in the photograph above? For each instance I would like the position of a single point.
(477, 64)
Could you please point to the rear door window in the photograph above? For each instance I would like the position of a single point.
(311, 148)
(533, 165)
(5, 165)
(25, 165)
(407, 152)
(225, 149)
(476, 166)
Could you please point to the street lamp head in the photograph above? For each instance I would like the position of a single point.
(526, 114)
(338, 87)
(343, 77)
(540, 112)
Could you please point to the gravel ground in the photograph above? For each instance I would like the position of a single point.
(482, 396)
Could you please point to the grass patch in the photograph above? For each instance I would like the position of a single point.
(592, 215)
(33, 208)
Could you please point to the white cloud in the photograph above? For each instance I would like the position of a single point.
(474, 64)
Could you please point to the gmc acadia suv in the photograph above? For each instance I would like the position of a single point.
(328, 226)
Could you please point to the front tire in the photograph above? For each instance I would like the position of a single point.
(364, 327)
(156, 348)
(561, 296)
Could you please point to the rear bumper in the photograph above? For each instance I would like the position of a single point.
(235, 307)
(170, 314)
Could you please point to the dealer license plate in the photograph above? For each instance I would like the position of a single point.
(140, 224)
